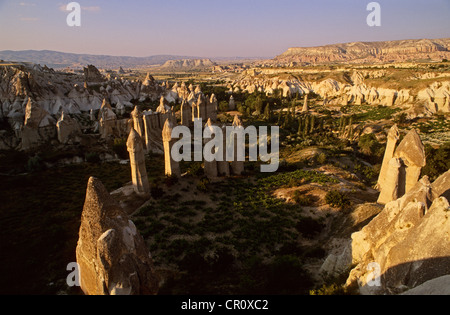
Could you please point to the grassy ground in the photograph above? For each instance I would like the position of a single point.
(39, 221)
(234, 237)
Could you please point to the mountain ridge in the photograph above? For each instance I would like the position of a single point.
(378, 51)
(56, 59)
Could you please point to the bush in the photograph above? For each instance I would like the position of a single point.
(301, 199)
(34, 164)
(92, 157)
(156, 191)
(120, 148)
(337, 199)
(171, 180)
(223, 106)
(368, 144)
(438, 161)
(195, 169)
(202, 185)
(321, 158)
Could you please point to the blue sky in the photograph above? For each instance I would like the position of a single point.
(212, 28)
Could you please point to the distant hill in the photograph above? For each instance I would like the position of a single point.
(56, 59)
(188, 64)
(370, 52)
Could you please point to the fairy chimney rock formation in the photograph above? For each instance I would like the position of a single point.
(237, 166)
(112, 256)
(138, 122)
(107, 119)
(232, 104)
(305, 108)
(402, 171)
(137, 160)
(172, 168)
(186, 114)
(67, 128)
(211, 170)
(393, 137)
(412, 153)
(212, 108)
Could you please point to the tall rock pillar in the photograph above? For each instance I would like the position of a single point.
(393, 137)
(137, 160)
(172, 167)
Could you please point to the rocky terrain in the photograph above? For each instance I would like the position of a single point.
(59, 60)
(363, 177)
(416, 93)
(188, 64)
(369, 52)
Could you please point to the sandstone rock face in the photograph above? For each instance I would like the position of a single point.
(38, 128)
(56, 92)
(402, 172)
(438, 286)
(92, 74)
(112, 255)
(373, 52)
(408, 240)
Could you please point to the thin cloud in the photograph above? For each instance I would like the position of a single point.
(29, 19)
(27, 4)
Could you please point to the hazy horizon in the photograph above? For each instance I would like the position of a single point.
(213, 29)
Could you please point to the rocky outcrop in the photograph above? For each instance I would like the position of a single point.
(369, 52)
(92, 74)
(400, 172)
(56, 92)
(408, 241)
(188, 64)
(112, 256)
(108, 120)
(39, 126)
(352, 89)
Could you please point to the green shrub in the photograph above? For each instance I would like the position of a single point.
(368, 144)
(202, 185)
(171, 180)
(156, 191)
(301, 199)
(223, 106)
(438, 161)
(34, 164)
(337, 199)
(195, 169)
(120, 148)
(92, 157)
(321, 158)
